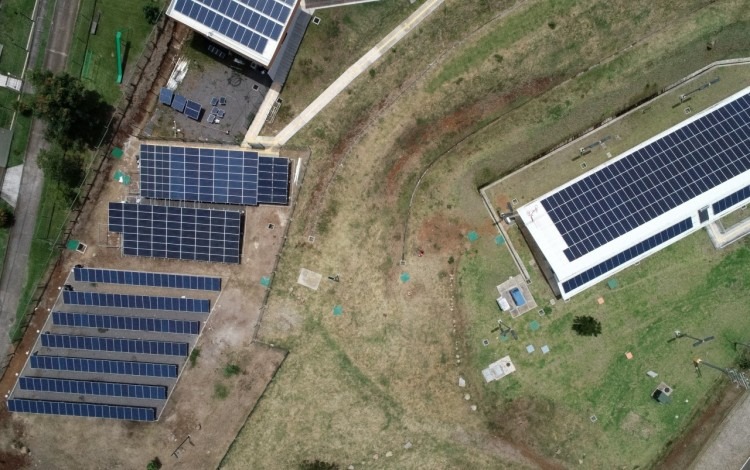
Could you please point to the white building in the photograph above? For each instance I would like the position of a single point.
(643, 200)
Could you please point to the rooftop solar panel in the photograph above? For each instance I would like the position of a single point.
(652, 180)
(97, 343)
(193, 110)
(212, 175)
(120, 322)
(140, 278)
(165, 96)
(731, 200)
(148, 302)
(178, 103)
(89, 410)
(178, 232)
(87, 387)
(103, 366)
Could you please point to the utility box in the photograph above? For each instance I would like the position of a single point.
(504, 305)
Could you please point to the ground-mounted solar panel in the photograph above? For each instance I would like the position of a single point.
(89, 387)
(103, 366)
(193, 110)
(179, 232)
(273, 180)
(625, 256)
(148, 302)
(97, 343)
(731, 200)
(88, 410)
(165, 96)
(142, 278)
(650, 181)
(178, 103)
(120, 322)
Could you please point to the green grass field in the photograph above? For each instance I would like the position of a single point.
(93, 57)
(21, 127)
(15, 24)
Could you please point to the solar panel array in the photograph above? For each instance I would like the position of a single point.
(177, 232)
(140, 278)
(87, 387)
(193, 110)
(625, 256)
(249, 22)
(178, 103)
(45, 407)
(273, 180)
(648, 182)
(97, 343)
(103, 366)
(118, 322)
(213, 175)
(735, 198)
(149, 302)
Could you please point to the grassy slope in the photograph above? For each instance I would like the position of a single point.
(397, 338)
(14, 32)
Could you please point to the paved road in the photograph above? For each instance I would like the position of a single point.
(347, 77)
(15, 269)
(729, 448)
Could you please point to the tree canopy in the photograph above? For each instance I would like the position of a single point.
(587, 326)
(63, 167)
(75, 115)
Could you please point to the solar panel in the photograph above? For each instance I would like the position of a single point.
(165, 96)
(625, 256)
(90, 410)
(87, 387)
(103, 366)
(178, 103)
(140, 278)
(212, 175)
(731, 200)
(118, 322)
(193, 110)
(251, 23)
(97, 343)
(149, 302)
(178, 232)
(273, 180)
(652, 180)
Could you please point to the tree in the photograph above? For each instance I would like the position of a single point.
(64, 167)
(587, 326)
(6, 217)
(154, 464)
(317, 465)
(151, 12)
(75, 116)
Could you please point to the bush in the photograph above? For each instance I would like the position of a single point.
(587, 326)
(6, 217)
(221, 391)
(151, 12)
(317, 465)
(231, 369)
(194, 355)
(155, 464)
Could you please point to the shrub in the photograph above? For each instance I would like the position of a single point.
(587, 326)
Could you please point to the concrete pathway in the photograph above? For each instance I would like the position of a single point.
(722, 237)
(260, 117)
(15, 268)
(729, 447)
(348, 76)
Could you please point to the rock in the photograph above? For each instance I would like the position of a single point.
(467, 397)
(24, 450)
(375, 457)
(389, 454)
(350, 467)
(407, 445)
(461, 382)
(473, 407)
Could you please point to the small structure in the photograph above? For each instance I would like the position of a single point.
(504, 305)
(517, 289)
(662, 393)
(517, 297)
(498, 369)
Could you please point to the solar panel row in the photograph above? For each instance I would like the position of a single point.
(177, 232)
(193, 110)
(95, 343)
(131, 413)
(178, 103)
(117, 322)
(625, 256)
(136, 301)
(650, 181)
(104, 366)
(86, 387)
(735, 198)
(230, 28)
(137, 278)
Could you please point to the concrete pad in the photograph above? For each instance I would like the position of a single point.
(12, 184)
(309, 279)
(545, 349)
(530, 348)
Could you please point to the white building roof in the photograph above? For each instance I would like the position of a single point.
(641, 193)
(251, 28)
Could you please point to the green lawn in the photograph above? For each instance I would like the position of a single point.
(93, 57)
(15, 24)
(21, 126)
